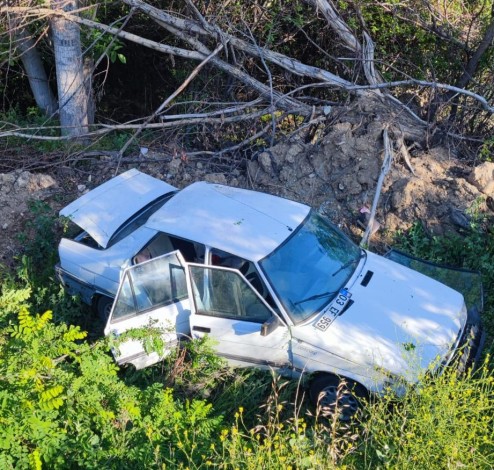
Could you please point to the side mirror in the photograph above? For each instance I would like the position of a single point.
(270, 325)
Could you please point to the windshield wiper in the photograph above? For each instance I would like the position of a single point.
(315, 297)
(349, 263)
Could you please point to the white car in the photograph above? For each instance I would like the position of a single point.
(270, 280)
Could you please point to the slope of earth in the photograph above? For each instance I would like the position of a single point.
(339, 174)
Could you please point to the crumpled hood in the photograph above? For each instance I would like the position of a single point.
(401, 321)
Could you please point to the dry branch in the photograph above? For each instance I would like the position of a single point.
(337, 23)
(387, 161)
(166, 49)
(184, 120)
(190, 29)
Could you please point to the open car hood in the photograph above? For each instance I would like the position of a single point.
(103, 210)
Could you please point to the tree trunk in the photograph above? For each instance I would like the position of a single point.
(33, 67)
(72, 93)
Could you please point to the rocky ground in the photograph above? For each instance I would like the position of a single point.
(336, 172)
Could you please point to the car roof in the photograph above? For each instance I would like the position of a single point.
(244, 223)
(101, 211)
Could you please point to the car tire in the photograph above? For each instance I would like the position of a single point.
(103, 307)
(332, 394)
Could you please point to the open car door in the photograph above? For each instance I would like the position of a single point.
(152, 300)
(245, 329)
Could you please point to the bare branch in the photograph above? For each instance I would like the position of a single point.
(107, 128)
(45, 13)
(190, 28)
(281, 100)
(337, 23)
(387, 161)
(441, 86)
(473, 63)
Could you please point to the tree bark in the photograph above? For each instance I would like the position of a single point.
(33, 66)
(72, 92)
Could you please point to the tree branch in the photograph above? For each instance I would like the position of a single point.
(387, 161)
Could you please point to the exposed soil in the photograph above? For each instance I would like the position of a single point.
(336, 173)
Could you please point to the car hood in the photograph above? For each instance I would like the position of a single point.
(400, 321)
(103, 210)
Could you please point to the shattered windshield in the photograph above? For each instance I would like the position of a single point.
(310, 268)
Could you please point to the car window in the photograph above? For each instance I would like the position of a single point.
(222, 258)
(163, 243)
(192, 252)
(308, 270)
(150, 285)
(139, 219)
(74, 232)
(247, 268)
(224, 293)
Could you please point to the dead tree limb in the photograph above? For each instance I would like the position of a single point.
(387, 161)
(160, 47)
(337, 23)
(189, 27)
(107, 128)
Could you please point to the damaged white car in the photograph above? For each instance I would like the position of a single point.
(270, 280)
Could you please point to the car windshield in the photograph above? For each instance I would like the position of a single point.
(309, 269)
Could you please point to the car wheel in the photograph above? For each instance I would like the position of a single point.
(337, 395)
(103, 307)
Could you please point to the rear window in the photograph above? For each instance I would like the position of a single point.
(74, 232)
(139, 219)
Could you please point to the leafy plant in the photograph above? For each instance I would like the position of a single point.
(446, 422)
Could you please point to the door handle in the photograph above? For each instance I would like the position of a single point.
(201, 329)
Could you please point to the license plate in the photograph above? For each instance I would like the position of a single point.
(334, 309)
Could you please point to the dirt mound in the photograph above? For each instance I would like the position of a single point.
(339, 174)
(336, 172)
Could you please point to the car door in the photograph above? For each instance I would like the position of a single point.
(152, 294)
(245, 330)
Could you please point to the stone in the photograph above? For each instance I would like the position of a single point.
(38, 182)
(265, 162)
(482, 177)
(7, 178)
(22, 180)
(174, 166)
(218, 178)
(293, 151)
